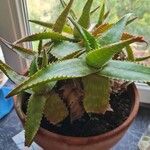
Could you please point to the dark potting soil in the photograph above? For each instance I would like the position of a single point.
(94, 124)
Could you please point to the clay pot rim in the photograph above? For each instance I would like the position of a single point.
(101, 137)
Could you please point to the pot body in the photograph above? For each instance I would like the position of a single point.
(52, 141)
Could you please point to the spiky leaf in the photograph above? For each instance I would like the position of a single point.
(84, 20)
(114, 34)
(66, 28)
(101, 16)
(55, 110)
(23, 52)
(97, 58)
(96, 93)
(89, 40)
(34, 115)
(130, 53)
(40, 47)
(106, 15)
(64, 49)
(42, 23)
(92, 41)
(82, 34)
(72, 13)
(45, 35)
(33, 67)
(44, 59)
(11, 74)
(123, 70)
(60, 22)
(66, 69)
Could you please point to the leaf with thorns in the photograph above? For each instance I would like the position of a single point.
(96, 93)
(45, 35)
(61, 20)
(23, 52)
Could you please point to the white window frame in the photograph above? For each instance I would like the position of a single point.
(14, 24)
(144, 92)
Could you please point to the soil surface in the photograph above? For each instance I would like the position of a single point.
(94, 124)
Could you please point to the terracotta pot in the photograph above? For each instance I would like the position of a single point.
(52, 141)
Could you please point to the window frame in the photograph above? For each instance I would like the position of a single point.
(13, 26)
(15, 21)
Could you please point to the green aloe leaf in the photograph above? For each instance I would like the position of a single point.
(72, 13)
(23, 52)
(131, 20)
(102, 13)
(114, 34)
(66, 28)
(34, 66)
(84, 20)
(97, 58)
(64, 49)
(106, 14)
(89, 40)
(34, 115)
(60, 22)
(94, 10)
(55, 110)
(142, 58)
(42, 23)
(75, 54)
(11, 74)
(80, 31)
(129, 53)
(40, 47)
(128, 71)
(67, 69)
(96, 93)
(44, 59)
(45, 35)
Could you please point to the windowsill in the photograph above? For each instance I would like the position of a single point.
(144, 92)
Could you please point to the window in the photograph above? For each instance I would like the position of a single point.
(47, 10)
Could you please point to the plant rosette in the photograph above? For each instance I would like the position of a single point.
(78, 82)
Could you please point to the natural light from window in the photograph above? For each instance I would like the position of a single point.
(48, 10)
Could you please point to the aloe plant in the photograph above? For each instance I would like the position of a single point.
(72, 64)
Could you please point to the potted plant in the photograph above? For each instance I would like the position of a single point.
(78, 92)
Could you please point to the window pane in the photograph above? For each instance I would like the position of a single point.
(48, 10)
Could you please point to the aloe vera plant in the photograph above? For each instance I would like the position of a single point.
(72, 64)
